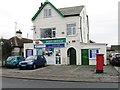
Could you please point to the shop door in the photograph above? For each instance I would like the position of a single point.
(85, 56)
(72, 56)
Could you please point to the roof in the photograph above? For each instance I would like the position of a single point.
(5, 41)
(115, 47)
(17, 42)
(71, 11)
(63, 12)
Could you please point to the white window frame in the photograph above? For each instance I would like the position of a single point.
(52, 30)
(47, 12)
(71, 29)
(93, 53)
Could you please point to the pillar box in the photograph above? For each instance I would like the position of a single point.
(99, 63)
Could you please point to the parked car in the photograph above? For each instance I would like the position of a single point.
(115, 59)
(13, 61)
(33, 62)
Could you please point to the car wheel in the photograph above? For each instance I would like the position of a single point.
(34, 66)
(20, 68)
(112, 63)
(17, 65)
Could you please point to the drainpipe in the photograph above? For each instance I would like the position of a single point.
(81, 28)
(87, 27)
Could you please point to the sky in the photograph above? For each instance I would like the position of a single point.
(103, 17)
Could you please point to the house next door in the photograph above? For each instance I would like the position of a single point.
(85, 56)
(72, 56)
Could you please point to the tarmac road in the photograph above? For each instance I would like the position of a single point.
(26, 83)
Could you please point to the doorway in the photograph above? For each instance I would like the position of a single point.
(71, 53)
(85, 56)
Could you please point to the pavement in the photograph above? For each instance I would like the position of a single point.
(65, 73)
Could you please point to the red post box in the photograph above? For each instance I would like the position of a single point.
(99, 63)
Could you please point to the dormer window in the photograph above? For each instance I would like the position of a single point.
(47, 13)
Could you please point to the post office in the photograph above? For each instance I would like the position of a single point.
(62, 36)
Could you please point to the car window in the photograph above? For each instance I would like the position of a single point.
(31, 58)
(10, 58)
(117, 55)
(42, 57)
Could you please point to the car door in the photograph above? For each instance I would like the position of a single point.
(38, 61)
(42, 60)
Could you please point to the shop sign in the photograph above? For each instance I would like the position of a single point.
(39, 46)
(60, 40)
(55, 45)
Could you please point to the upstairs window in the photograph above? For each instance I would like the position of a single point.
(48, 32)
(47, 13)
(71, 29)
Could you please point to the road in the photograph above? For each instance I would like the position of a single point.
(24, 83)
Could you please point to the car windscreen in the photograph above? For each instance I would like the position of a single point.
(117, 55)
(31, 58)
(10, 58)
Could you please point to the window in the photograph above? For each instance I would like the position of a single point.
(71, 29)
(47, 13)
(48, 32)
(93, 53)
(16, 49)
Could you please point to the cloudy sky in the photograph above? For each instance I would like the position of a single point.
(103, 17)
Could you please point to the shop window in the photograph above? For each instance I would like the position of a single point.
(58, 56)
(48, 33)
(71, 29)
(47, 13)
(93, 53)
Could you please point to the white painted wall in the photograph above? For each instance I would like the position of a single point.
(84, 25)
(102, 50)
(60, 23)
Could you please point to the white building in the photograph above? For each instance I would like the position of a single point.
(62, 35)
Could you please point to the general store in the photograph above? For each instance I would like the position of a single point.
(62, 36)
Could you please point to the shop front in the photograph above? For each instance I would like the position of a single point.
(51, 49)
(58, 52)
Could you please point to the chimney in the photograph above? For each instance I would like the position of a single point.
(41, 5)
(19, 34)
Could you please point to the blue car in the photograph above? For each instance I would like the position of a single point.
(33, 62)
(13, 61)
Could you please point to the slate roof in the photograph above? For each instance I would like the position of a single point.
(71, 11)
(17, 42)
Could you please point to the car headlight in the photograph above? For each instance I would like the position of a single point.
(19, 63)
(30, 62)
